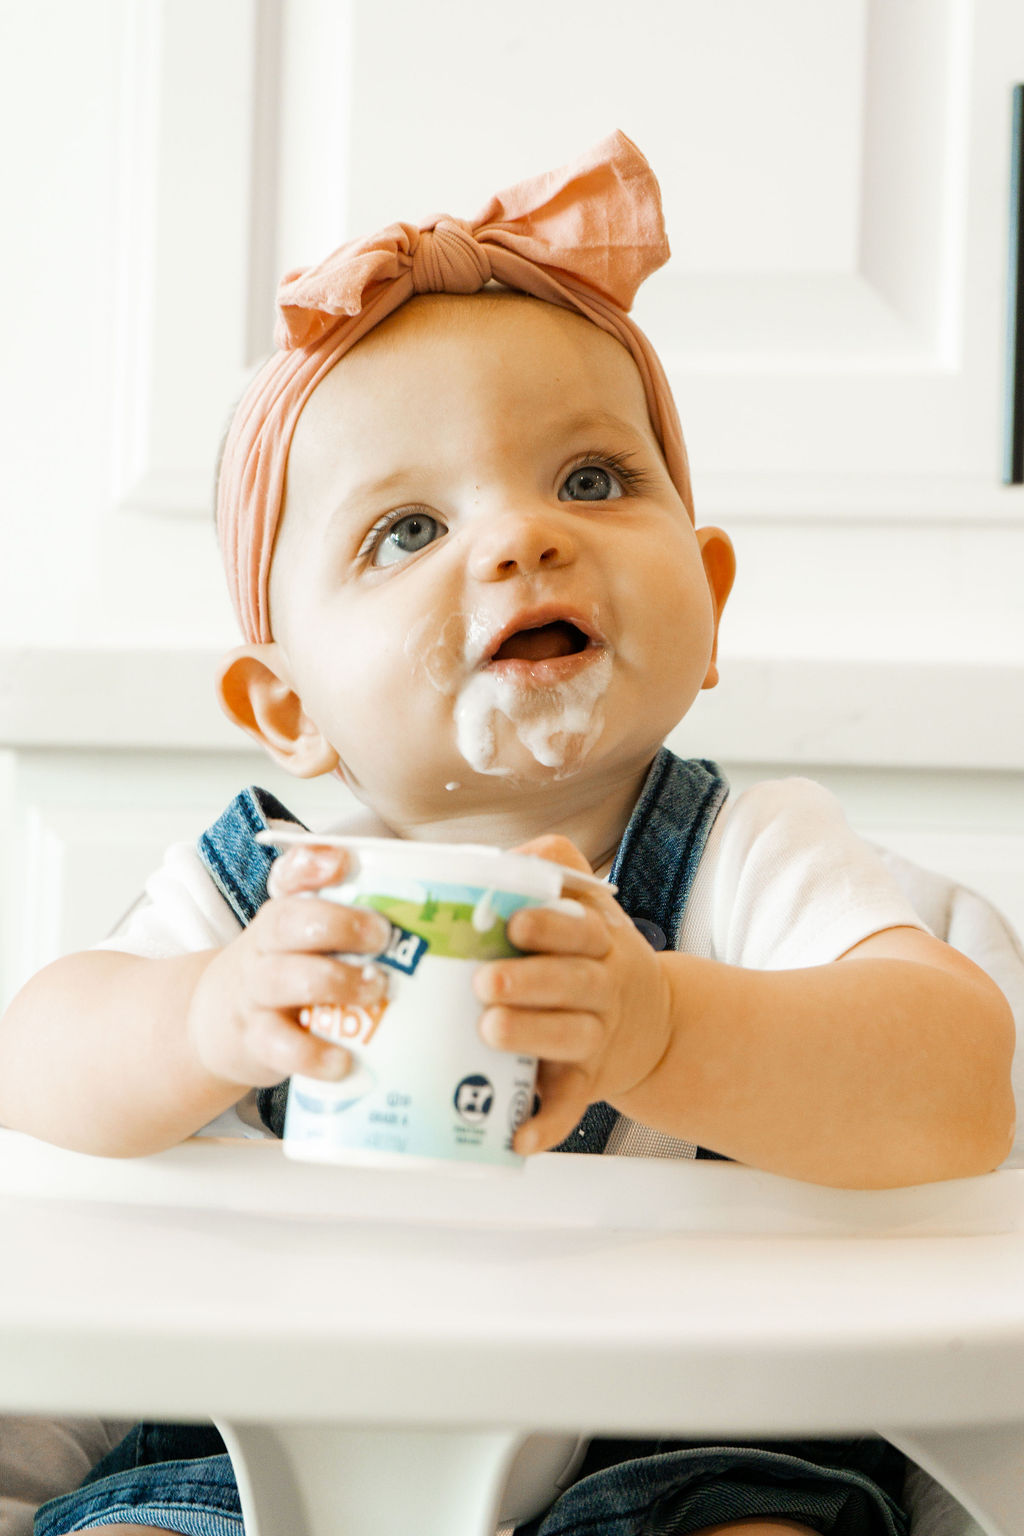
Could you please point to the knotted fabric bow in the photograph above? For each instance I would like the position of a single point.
(583, 237)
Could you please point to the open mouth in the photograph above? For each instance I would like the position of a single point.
(543, 642)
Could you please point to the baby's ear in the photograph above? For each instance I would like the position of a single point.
(719, 561)
(255, 693)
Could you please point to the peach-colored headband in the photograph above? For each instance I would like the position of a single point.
(583, 237)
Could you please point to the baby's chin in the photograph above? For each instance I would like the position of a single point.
(515, 785)
(492, 769)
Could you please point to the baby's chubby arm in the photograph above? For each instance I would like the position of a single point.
(119, 1055)
(889, 1066)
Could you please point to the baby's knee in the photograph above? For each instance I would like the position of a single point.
(121, 1530)
(758, 1527)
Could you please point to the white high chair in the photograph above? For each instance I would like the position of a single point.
(397, 1353)
(376, 1347)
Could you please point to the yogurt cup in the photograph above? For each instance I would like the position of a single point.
(423, 1089)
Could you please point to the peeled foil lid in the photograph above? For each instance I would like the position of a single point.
(439, 856)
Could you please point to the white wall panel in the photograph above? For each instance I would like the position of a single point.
(836, 187)
(88, 827)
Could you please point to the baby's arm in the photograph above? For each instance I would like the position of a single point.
(889, 1066)
(120, 1055)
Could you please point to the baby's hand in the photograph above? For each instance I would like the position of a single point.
(591, 999)
(245, 1016)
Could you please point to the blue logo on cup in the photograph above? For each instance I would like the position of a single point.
(405, 950)
(473, 1098)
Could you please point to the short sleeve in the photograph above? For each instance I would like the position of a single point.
(179, 912)
(793, 884)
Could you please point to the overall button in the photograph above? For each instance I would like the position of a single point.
(651, 932)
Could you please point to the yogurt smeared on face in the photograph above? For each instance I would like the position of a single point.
(556, 723)
(557, 720)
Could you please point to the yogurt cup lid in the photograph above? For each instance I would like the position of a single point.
(441, 859)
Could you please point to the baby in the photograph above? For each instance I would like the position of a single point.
(457, 522)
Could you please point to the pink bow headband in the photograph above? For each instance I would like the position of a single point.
(583, 237)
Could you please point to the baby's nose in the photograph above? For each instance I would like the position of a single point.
(520, 545)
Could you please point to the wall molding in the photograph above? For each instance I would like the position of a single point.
(844, 501)
(879, 714)
(196, 243)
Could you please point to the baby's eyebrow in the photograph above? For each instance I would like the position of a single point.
(599, 421)
(367, 497)
(375, 486)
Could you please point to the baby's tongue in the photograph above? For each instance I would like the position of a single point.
(558, 639)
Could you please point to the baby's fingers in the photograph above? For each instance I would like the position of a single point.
(311, 924)
(551, 1034)
(291, 982)
(558, 849)
(565, 1096)
(570, 928)
(307, 868)
(544, 981)
(285, 1048)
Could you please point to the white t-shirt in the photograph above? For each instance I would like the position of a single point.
(783, 882)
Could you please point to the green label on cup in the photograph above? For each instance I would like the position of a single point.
(458, 922)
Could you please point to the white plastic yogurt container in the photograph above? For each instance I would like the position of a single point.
(423, 1088)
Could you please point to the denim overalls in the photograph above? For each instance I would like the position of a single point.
(179, 1476)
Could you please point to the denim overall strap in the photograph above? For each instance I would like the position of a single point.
(239, 867)
(654, 870)
(237, 863)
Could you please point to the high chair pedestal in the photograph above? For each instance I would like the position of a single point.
(322, 1480)
(982, 1465)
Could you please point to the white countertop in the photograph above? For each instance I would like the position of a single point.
(801, 710)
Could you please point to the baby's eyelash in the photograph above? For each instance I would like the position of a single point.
(633, 479)
(383, 526)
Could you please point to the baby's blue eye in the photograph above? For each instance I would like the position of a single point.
(590, 483)
(405, 536)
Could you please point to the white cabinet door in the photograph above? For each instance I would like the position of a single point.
(836, 179)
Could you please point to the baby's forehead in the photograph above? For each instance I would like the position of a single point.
(471, 315)
(542, 350)
(476, 323)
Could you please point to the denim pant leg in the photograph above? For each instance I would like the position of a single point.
(174, 1476)
(666, 1488)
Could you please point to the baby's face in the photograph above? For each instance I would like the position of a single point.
(485, 577)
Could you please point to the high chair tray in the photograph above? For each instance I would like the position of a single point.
(551, 1191)
(411, 1324)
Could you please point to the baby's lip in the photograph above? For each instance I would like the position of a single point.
(550, 614)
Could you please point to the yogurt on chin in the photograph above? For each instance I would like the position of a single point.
(553, 709)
